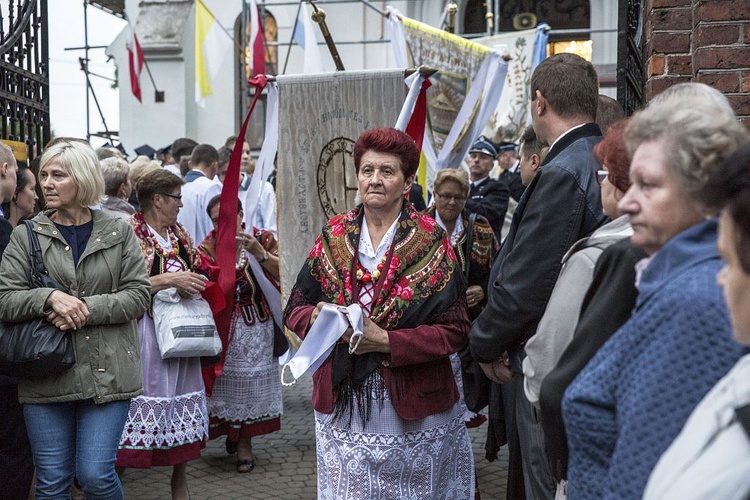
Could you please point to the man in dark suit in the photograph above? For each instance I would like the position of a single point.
(508, 162)
(561, 205)
(487, 197)
(16, 466)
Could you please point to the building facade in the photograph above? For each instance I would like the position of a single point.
(165, 29)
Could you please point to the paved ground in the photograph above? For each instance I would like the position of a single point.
(285, 463)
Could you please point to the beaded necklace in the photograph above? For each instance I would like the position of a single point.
(365, 276)
(150, 242)
(159, 243)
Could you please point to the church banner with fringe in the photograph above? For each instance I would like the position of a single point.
(320, 119)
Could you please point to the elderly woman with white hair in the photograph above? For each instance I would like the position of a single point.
(117, 188)
(74, 419)
(711, 456)
(631, 400)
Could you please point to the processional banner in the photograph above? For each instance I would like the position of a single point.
(320, 119)
(464, 91)
(457, 60)
(526, 49)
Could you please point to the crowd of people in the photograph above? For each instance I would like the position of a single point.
(588, 288)
(115, 234)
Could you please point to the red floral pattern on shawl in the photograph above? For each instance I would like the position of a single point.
(423, 286)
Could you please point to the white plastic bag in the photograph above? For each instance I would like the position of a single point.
(185, 328)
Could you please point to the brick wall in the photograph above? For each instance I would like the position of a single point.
(700, 40)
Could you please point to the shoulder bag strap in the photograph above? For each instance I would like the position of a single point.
(37, 267)
(469, 243)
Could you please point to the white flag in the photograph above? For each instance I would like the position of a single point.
(304, 36)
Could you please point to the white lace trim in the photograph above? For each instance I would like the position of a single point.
(431, 463)
(163, 423)
(250, 386)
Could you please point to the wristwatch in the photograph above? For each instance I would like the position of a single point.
(265, 257)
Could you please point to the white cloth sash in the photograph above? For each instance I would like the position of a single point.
(328, 328)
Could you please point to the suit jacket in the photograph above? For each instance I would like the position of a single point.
(490, 200)
(416, 198)
(560, 206)
(513, 181)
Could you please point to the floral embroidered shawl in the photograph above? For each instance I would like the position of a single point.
(423, 285)
(249, 298)
(483, 249)
(185, 241)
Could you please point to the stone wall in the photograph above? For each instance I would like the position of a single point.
(706, 41)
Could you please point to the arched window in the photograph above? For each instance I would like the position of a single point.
(256, 127)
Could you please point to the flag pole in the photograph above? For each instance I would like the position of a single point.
(319, 16)
(291, 39)
(452, 8)
(158, 94)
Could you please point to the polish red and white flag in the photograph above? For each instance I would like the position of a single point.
(135, 64)
(256, 42)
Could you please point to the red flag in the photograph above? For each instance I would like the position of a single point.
(226, 238)
(415, 127)
(256, 40)
(135, 63)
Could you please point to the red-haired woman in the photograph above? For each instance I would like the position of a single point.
(388, 419)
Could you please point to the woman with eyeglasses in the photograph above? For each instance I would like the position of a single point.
(592, 270)
(632, 398)
(451, 189)
(168, 424)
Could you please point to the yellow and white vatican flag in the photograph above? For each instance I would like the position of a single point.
(320, 118)
(464, 92)
(212, 43)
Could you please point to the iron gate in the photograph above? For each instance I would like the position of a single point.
(24, 74)
(630, 81)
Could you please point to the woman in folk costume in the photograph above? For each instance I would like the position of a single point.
(245, 400)
(451, 189)
(388, 419)
(168, 424)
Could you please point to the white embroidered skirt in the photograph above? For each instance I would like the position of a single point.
(392, 458)
(168, 424)
(249, 388)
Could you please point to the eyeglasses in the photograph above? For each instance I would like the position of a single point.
(601, 175)
(449, 198)
(177, 197)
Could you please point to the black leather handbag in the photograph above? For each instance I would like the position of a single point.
(35, 348)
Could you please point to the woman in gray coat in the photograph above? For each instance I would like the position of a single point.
(72, 418)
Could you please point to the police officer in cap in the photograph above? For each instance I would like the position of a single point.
(487, 197)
